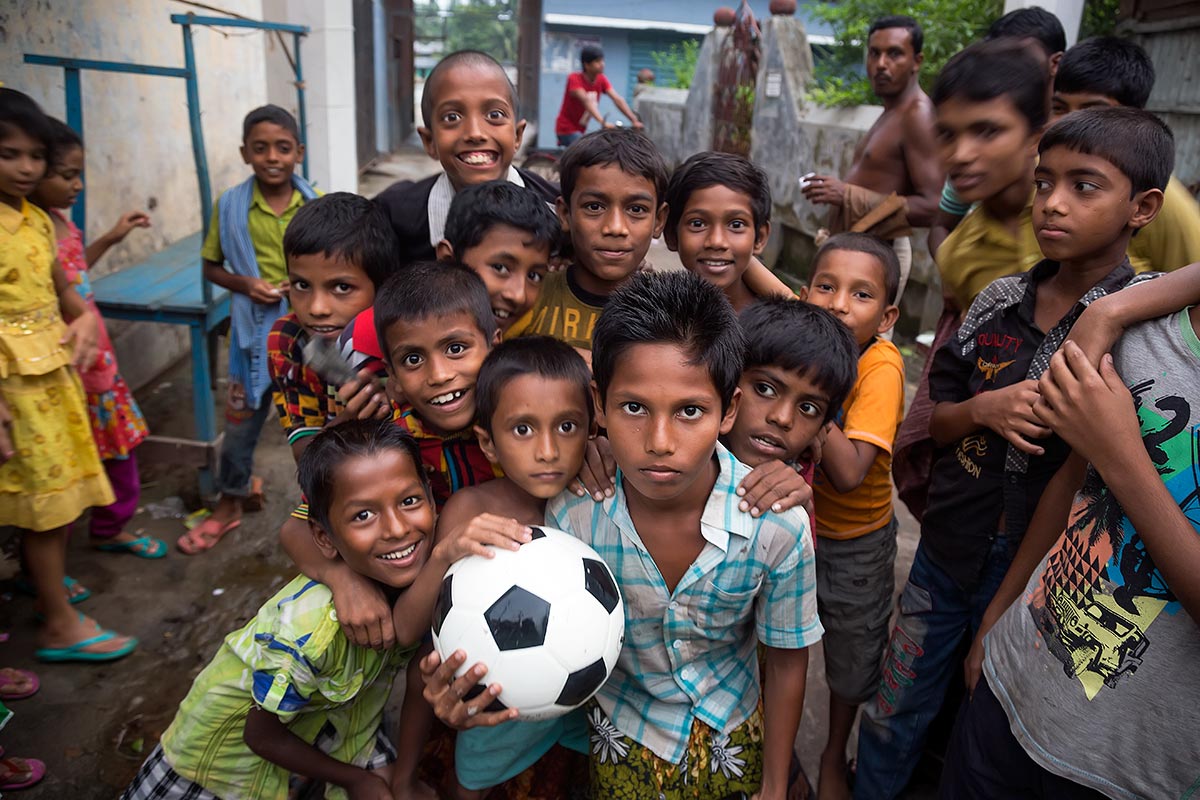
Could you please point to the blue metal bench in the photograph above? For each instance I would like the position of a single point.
(169, 287)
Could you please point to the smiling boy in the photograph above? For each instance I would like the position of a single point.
(471, 127)
(613, 184)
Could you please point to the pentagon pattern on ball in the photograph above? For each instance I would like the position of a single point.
(442, 607)
(600, 585)
(583, 683)
(518, 619)
(538, 533)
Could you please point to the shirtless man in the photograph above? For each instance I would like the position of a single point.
(899, 153)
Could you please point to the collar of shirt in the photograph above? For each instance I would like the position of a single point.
(257, 199)
(11, 219)
(1045, 269)
(442, 195)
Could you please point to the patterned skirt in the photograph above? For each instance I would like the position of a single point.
(117, 423)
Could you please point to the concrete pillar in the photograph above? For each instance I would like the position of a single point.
(327, 58)
(1069, 13)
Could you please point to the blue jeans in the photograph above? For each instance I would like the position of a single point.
(935, 615)
(567, 139)
(242, 428)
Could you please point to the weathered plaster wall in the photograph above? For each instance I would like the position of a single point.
(136, 127)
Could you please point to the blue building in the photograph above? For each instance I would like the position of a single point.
(629, 31)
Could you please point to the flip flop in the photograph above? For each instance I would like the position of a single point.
(76, 591)
(76, 652)
(204, 536)
(10, 676)
(21, 766)
(142, 547)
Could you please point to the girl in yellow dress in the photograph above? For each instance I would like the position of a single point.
(50, 470)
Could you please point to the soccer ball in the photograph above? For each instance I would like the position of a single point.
(546, 619)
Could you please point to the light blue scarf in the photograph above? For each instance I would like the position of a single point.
(251, 321)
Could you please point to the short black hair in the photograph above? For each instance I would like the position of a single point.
(1001, 68)
(19, 112)
(1109, 66)
(432, 288)
(346, 226)
(631, 150)
(333, 446)
(270, 113)
(677, 308)
(915, 34)
(543, 356)
(1032, 22)
(802, 338)
(64, 139)
(718, 169)
(466, 58)
(1133, 140)
(589, 53)
(477, 209)
(873, 246)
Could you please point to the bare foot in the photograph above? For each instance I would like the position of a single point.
(229, 508)
(832, 784)
(53, 636)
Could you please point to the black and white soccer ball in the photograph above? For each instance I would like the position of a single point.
(547, 620)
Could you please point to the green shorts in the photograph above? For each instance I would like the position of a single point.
(715, 765)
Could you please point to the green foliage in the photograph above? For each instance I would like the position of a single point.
(1099, 18)
(487, 25)
(949, 26)
(677, 64)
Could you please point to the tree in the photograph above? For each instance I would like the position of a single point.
(487, 25)
(949, 26)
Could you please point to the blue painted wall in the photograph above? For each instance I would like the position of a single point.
(561, 45)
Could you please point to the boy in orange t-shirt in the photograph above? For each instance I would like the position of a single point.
(855, 276)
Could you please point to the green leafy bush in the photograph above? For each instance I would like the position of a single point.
(677, 64)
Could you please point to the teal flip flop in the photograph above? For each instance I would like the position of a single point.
(70, 583)
(142, 547)
(76, 651)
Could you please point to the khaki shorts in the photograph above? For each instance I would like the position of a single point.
(855, 584)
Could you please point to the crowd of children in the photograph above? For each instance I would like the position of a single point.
(480, 352)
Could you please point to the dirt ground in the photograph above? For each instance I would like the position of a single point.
(94, 724)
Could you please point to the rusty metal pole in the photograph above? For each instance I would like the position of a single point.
(529, 56)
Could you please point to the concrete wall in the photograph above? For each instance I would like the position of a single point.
(136, 127)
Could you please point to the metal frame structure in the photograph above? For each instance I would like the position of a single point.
(162, 289)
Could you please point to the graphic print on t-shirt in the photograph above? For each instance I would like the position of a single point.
(1101, 590)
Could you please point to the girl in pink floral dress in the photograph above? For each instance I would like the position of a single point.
(117, 424)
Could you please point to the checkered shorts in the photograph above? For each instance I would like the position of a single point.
(157, 781)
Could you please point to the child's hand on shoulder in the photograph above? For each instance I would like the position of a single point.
(82, 336)
(363, 610)
(128, 221)
(1009, 412)
(476, 536)
(362, 398)
(1077, 399)
(598, 477)
(773, 485)
(262, 291)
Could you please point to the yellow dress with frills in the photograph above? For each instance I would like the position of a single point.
(56, 473)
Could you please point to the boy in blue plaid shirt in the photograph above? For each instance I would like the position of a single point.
(703, 583)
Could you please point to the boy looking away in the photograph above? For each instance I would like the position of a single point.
(998, 456)
(855, 277)
(613, 184)
(1110, 71)
(288, 693)
(581, 98)
(470, 125)
(680, 712)
(535, 414)
(1093, 658)
(246, 230)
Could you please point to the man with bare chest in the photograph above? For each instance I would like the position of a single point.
(896, 178)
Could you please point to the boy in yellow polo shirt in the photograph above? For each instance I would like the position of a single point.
(247, 229)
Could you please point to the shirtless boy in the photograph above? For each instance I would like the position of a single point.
(898, 154)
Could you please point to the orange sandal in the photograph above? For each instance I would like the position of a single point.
(204, 536)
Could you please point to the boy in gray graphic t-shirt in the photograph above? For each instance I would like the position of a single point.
(1093, 672)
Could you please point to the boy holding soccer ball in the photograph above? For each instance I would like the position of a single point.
(681, 715)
